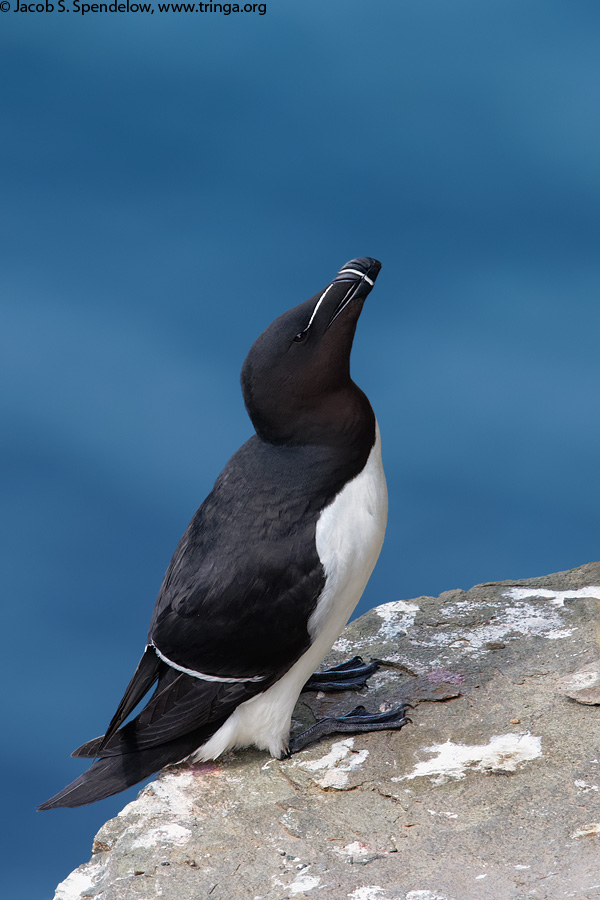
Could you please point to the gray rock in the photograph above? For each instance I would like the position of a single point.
(492, 792)
(583, 685)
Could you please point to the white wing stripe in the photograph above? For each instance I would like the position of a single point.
(202, 675)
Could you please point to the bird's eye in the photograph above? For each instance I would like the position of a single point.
(301, 336)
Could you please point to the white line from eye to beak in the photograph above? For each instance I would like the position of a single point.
(319, 301)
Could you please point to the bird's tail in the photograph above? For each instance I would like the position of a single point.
(111, 774)
(182, 714)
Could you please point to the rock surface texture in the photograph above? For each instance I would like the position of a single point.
(492, 792)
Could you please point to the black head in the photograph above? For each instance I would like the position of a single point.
(296, 378)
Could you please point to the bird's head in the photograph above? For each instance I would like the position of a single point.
(296, 378)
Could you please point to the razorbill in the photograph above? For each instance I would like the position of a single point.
(270, 568)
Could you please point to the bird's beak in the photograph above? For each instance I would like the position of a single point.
(356, 278)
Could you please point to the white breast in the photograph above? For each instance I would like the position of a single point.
(350, 534)
(349, 537)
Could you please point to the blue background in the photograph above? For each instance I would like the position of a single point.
(172, 183)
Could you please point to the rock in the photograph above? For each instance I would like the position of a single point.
(583, 685)
(493, 793)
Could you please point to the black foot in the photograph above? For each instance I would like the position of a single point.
(354, 722)
(349, 676)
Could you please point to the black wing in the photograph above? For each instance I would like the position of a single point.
(246, 575)
(238, 594)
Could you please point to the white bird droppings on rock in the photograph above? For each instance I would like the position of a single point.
(449, 815)
(521, 618)
(398, 616)
(301, 885)
(342, 645)
(336, 764)
(169, 794)
(356, 848)
(369, 892)
(502, 754)
(556, 597)
(304, 883)
(78, 883)
(170, 833)
(590, 830)
(584, 787)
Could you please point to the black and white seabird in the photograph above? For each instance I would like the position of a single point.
(270, 568)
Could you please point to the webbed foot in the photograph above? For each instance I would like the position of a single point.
(349, 676)
(356, 721)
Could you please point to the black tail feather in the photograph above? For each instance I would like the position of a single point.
(148, 670)
(112, 774)
(145, 675)
(89, 750)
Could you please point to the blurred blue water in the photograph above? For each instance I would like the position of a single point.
(169, 185)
